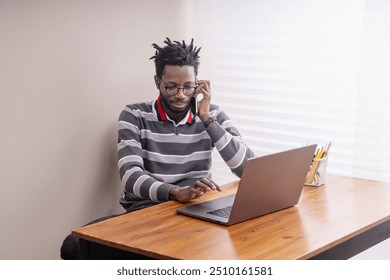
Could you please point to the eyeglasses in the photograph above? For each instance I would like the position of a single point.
(187, 90)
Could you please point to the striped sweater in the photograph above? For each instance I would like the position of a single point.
(156, 155)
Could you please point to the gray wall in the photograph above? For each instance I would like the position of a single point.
(67, 69)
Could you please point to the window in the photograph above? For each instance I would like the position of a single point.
(290, 73)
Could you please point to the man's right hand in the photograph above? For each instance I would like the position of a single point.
(198, 189)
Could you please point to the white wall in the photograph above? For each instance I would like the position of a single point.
(67, 69)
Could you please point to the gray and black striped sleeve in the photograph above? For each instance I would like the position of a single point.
(229, 143)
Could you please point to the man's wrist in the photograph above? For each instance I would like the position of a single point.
(204, 117)
(173, 193)
(209, 121)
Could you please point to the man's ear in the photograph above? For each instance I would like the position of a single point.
(157, 81)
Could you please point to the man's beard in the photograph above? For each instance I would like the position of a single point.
(165, 101)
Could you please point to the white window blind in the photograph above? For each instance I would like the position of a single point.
(290, 73)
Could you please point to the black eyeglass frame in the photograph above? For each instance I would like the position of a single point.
(179, 88)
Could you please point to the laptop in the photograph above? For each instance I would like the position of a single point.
(269, 183)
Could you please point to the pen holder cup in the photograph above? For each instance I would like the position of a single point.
(317, 174)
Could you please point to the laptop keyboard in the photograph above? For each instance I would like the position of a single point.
(223, 212)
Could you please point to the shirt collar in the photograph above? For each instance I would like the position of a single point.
(162, 116)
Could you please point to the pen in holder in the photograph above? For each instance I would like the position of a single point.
(317, 174)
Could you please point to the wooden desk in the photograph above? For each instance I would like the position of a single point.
(334, 221)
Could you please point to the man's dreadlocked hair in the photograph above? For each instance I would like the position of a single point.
(175, 53)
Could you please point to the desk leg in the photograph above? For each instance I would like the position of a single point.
(94, 251)
(357, 244)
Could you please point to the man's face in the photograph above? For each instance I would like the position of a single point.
(176, 76)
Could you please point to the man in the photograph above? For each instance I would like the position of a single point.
(165, 146)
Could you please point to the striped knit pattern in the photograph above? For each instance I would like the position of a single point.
(155, 156)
